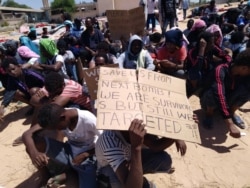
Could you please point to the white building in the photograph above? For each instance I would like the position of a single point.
(103, 5)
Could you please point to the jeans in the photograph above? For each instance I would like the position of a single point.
(171, 21)
(151, 162)
(61, 158)
(71, 71)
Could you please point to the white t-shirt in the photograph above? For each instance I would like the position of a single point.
(85, 134)
(32, 60)
(57, 58)
(151, 6)
(68, 55)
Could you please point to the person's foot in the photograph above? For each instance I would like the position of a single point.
(238, 121)
(171, 170)
(234, 132)
(57, 181)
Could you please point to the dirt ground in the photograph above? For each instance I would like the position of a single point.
(220, 161)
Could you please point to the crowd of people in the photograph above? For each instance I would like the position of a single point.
(211, 55)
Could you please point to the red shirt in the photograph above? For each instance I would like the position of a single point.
(176, 57)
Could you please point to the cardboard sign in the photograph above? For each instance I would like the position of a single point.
(91, 77)
(159, 100)
(124, 22)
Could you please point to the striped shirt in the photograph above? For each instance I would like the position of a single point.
(74, 91)
(112, 149)
(224, 84)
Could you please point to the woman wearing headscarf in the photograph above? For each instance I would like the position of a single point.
(198, 27)
(202, 61)
(216, 31)
(171, 57)
(25, 41)
(50, 60)
(135, 56)
(28, 56)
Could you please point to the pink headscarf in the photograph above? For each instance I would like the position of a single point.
(198, 24)
(214, 28)
(25, 52)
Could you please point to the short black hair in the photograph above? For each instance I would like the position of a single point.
(7, 61)
(104, 56)
(61, 43)
(237, 37)
(190, 23)
(103, 45)
(53, 81)
(49, 115)
(242, 59)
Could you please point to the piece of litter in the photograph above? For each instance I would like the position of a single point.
(243, 134)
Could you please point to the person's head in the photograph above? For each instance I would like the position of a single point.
(11, 47)
(11, 66)
(135, 45)
(54, 84)
(216, 31)
(212, 3)
(45, 30)
(32, 34)
(70, 40)
(237, 37)
(190, 24)
(103, 47)
(101, 59)
(89, 23)
(241, 64)
(155, 38)
(209, 38)
(199, 25)
(78, 23)
(26, 52)
(52, 116)
(68, 25)
(48, 48)
(173, 40)
(61, 46)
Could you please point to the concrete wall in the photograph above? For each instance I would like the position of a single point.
(104, 5)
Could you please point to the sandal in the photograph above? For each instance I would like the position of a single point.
(238, 121)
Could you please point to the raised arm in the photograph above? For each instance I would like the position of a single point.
(131, 174)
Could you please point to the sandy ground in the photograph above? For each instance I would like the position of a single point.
(220, 161)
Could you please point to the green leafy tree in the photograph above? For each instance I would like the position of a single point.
(12, 3)
(66, 5)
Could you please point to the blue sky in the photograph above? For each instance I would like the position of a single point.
(37, 4)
